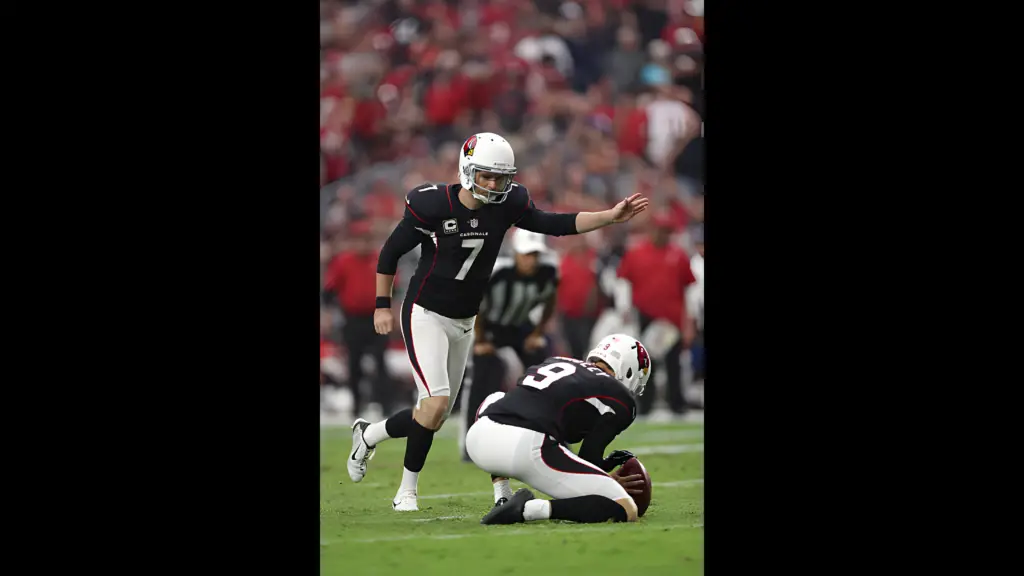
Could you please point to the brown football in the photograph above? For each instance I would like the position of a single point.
(633, 466)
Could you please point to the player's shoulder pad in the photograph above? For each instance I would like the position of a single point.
(622, 393)
(587, 367)
(518, 198)
(429, 200)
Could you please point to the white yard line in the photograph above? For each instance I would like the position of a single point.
(668, 449)
(668, 435)
(639, 451)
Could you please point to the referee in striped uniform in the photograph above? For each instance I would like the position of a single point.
(518, 285)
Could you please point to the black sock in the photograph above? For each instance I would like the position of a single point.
(587, 509)
(399, 424)
(417, 445)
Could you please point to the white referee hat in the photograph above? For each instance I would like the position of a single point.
(525, 242)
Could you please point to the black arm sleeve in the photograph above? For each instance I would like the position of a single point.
(403, 239)
(550, 223)
(594, 445)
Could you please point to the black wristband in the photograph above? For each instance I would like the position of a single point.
(383, 302)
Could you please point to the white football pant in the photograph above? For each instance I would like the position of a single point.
(537, 460)
(438, 348)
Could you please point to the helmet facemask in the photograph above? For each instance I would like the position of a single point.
(501, 190)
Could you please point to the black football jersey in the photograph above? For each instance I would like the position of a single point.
(566, 398)
(460, 246)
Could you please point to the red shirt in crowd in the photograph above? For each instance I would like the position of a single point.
(369, 118)
(577, 289)
(353, 277)
(443, 100)
(632, 132)
(659, 277)
(327, 350)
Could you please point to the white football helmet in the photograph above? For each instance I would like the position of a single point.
(627, 357)
(487, 152)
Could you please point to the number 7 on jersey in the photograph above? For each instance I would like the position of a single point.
(477, 244)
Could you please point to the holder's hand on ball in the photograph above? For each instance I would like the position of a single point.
(633, 484)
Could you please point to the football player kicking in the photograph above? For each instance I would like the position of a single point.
(559, 402)
(460, 228)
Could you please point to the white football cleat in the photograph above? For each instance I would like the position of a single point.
(360, 451)
(405, 502)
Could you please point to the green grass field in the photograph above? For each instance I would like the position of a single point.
(361, 534)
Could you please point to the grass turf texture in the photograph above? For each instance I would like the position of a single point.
(361, 534)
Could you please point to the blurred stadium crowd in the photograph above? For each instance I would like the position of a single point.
(599, 99)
